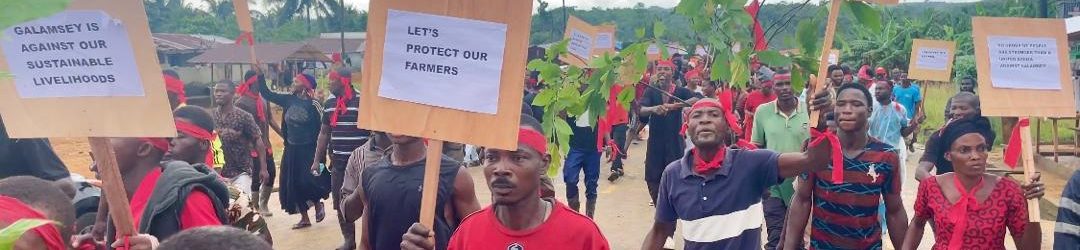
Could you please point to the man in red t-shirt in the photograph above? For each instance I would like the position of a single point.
(760, 96)
(518, 217)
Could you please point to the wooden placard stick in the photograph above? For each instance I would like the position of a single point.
(113, 184)
(823, 64)
(431, 183)
(1028, 154)
(247, 30)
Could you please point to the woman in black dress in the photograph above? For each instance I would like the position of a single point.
(300, 189)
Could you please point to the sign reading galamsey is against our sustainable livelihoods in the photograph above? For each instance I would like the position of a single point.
(72, 54)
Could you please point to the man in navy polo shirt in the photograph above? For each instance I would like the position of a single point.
(715, 191)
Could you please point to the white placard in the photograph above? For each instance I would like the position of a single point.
(604, 41)
(653, 49)
(581, 44)
(932, 58)
(834, 57)
(72, 54)
(443, 61)
(1024, 62)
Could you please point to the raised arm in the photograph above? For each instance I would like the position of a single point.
(279, 99)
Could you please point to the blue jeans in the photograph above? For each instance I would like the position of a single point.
(577, 161)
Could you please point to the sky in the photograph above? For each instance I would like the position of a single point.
(586, 4)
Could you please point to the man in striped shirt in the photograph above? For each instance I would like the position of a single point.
(715, 190)
(1067, 228)
(339, 136)
(845, 208)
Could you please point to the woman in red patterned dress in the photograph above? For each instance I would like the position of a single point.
(969, 208)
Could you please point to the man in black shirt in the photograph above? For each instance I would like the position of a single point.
(30, 156)
(663, 103)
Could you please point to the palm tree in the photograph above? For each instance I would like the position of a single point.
(328, 9)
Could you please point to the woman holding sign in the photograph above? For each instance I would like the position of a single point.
(970, 208)
(300, 128)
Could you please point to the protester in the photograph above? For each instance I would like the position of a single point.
(27, 197)
(1067, 228)
(715, 190)
(215, 237)
(910, 96)
(694, 81)
(967, 85)
(782, 126)
(240, 136)
(339, 136)
(165, 199)
(391, 190)
(848, 76)
(618, 119)
(300, 128)
(836, 75)
(663, 104)
(879, 74)
(252, 102)
(582, 157)
(757, 98)
(29, 156)
(970, 208)
(174, 89)
(517, 218)
(194, 133)
(845, 201)
(352, 206)
(889, 121)
(964, 106)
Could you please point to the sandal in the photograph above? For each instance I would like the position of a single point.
(301, 225)
(320, 212)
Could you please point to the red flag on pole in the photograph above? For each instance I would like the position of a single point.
(759, 33)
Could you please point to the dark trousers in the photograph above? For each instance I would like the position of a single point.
(256, 182)
(618, 133)
(337, 177)
(578, 161)
(775, 212)
(654, 188)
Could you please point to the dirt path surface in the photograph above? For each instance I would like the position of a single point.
(623, 213)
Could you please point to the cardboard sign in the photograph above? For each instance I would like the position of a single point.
(582, 37)
(931, 60)
(1022, 63)
(834, 57)
(604, 40)
(429, 58)
(89, 71)
(419, 69)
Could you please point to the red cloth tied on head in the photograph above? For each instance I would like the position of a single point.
(692, 74)
(533, 140)
(158, 143)
(781, 78)
(15, 210)
(199, 133)
(837, 155)
(1013, 149)
(245, 90)
(342, 104)
(880, 71)
(175, 86)
(729, 118)
(666, 63)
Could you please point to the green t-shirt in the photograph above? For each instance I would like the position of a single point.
(781, 133)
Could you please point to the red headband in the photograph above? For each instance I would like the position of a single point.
(342, 104)
(158, 143)
(245, 90)
(15, 210)
(199, 133)
(732, 121)
(533, 139)
(781, 78)
(691, 74)
(175, 86)
(665, 63)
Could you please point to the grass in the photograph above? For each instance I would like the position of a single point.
(934, 105)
